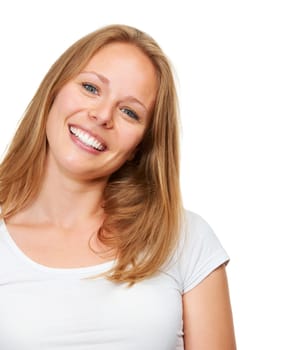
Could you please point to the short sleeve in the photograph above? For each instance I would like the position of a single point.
(200, 252)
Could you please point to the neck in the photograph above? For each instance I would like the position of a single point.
(67, 202)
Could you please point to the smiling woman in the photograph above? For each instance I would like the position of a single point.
(104, 110)
(96, 250)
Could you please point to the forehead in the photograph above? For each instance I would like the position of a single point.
(121, 49)
(119, 57)
(125, 66)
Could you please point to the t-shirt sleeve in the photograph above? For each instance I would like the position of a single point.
(200, 252)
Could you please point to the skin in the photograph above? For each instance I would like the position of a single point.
(208, 321)
(111, 100)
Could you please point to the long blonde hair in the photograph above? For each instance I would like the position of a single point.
(142, 200)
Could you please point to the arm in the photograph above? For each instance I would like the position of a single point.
(208, 322)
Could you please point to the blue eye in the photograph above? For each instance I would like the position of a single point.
(130, 113)
(90, 88)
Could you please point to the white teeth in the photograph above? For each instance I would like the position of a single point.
(86, 138)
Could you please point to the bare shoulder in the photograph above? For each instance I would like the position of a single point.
(208, 321)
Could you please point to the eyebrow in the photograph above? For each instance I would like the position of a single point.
(107, 81)
(99, 76)
(134, 99)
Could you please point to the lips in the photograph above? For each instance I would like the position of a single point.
(87, 139)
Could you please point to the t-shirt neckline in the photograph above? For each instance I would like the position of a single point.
(99, 268)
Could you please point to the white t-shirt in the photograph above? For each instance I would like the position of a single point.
(44, 308)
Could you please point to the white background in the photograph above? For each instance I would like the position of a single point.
(231, 59)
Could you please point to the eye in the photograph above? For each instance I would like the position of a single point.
(130, 113)
(90, 88)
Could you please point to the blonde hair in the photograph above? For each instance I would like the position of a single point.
(142, 200)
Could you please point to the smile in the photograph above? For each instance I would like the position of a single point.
(87, 139)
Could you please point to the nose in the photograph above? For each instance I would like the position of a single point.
(102, 115)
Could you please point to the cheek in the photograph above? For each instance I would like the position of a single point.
(50, 124)
(53, 121)
(57, 117)
(66, 101)
(133, 146)
(133, 139)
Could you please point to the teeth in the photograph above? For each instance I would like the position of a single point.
(87, 139)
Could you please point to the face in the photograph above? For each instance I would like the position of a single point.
(98, 119)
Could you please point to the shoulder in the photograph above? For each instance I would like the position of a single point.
(194, 224)
(196, 232)
(198, 253)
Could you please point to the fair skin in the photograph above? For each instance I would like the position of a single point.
(95, 124)
(208, 321)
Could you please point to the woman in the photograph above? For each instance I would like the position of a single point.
(96, 251)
